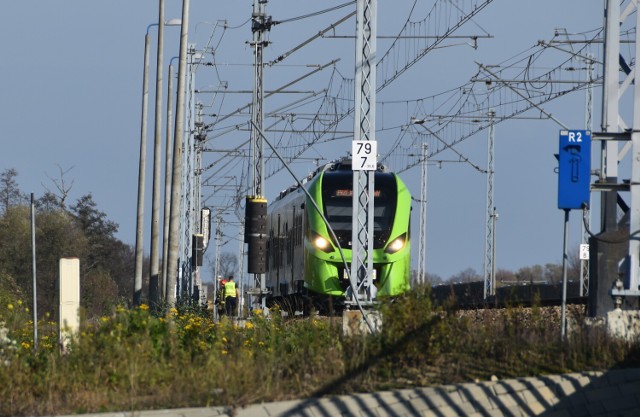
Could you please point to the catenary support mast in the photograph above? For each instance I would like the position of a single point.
(260, 24)
(362, 288)
(176, 176)
(608, 291)
(491, 216)
(154, 254)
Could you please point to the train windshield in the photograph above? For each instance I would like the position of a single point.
(337, 196)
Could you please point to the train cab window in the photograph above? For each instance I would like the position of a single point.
(337, 198)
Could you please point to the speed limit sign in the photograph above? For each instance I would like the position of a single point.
(365, 155)
(584, 251)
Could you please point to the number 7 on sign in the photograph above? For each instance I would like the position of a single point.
(365, 155)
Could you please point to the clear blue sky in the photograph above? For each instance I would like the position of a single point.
(71, 80)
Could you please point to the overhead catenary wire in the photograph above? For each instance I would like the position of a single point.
(308, 15)
(454, 110)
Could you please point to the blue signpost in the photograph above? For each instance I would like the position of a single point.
(574, 180)
(574, 176)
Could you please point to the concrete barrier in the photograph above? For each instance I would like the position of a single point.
(592, 394)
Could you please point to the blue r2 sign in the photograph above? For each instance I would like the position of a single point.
(574, 171)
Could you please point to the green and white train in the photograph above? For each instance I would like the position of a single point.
(304, 264)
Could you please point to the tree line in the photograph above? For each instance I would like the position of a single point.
(78, 230)
(549, 273)
(107, 265)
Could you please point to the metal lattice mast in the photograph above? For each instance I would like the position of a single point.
(422, 240)
(609, 150)
(188, 188)
(216, 265)
(199, 137)
(586, 224)
(260, 23)
(241, 269)
(364, 130)
(632, 286)
(616, 84)
(489, 268)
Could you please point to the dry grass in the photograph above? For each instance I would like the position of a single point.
(136, 360)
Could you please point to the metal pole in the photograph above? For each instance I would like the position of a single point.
(174, 225)
(137, 286)
(563, 319)
(33, 270)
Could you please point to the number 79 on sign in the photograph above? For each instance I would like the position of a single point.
(365, 155)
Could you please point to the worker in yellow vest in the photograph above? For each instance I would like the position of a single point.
(230, 296)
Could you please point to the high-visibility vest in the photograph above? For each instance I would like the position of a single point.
(230, 289)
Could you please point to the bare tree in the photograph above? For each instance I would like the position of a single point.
(505, 277)
(228, 266)
(434, 279)
(531, 274)
(61, 185)
(468, 275)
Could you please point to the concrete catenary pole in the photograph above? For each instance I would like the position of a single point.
(174, 212)
(154, 295)
(167, 180)
(137, 284)
(422, 241)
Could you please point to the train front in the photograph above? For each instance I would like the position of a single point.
(324, 267)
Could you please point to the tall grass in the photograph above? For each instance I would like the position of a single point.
(136, 359)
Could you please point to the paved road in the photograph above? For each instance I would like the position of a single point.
(586, 394)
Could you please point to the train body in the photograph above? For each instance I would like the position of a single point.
(303, 259)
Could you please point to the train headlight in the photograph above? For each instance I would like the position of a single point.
(322, 243)
(396, 244)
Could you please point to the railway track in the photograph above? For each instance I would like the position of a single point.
(470, 295)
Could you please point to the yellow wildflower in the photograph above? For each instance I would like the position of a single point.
(144, 307)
